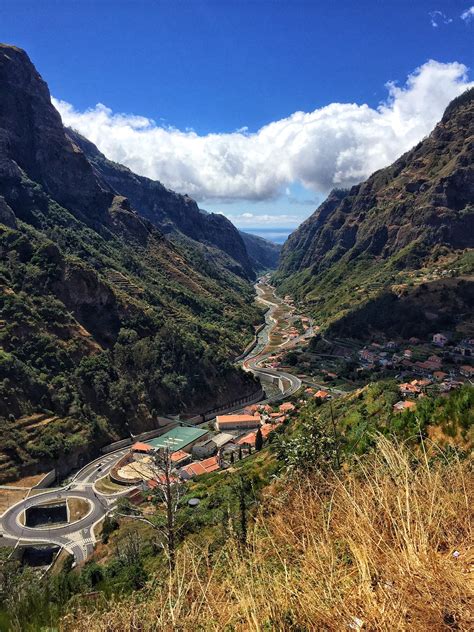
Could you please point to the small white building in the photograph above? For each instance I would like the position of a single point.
(205, 449)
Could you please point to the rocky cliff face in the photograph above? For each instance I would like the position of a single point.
(403, 218)
(178, 216)
(104, 322)
(33, 141)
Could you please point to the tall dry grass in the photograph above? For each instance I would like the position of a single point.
(367, 550)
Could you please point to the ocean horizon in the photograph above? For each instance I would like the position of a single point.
(277, 235)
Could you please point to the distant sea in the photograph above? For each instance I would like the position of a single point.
(277, 235)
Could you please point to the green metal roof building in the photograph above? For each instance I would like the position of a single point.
(179, 438)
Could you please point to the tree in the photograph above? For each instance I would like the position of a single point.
(166, 491)
(109, 525)
(314, 446)
(258, 440)
(240, 453)
(242, 488)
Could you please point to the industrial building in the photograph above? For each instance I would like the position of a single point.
(178, 438)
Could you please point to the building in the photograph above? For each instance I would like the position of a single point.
(237, 422)
(200, 467)
(180, 458)
(407, 354)
(141, 448)
(422, 384)
(287, 407)
(464, 349)
(178, 438)
(252, 409)
(367, 356)
(440, 340)
(401, 406)
(322, 395)
(409, 389)
(209, 447)
(249, 438)
(467, 371)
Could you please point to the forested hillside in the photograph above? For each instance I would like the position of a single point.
(105, 323)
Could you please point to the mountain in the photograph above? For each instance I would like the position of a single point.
(264, 254)
(104, 321)
(393, 254)
(177, 216)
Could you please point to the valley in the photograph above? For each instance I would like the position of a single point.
(202, 429)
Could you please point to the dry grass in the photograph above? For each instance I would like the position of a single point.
(369, 550)
(78, 508)
(9, 497)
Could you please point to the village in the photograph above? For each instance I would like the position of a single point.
(193, 451)
(435, 366)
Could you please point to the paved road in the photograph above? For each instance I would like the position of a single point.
(77, 537)
(252, 362)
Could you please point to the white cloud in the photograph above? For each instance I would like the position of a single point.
(468, 14)
(336, 145)
(438, 17)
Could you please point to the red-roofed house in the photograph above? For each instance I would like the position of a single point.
(322, 394)
(409, 389)
(228, 422)
(249, 439)
(180, 457)
(401, 406)
(466, 370)
(200, 467)
(286, 407)
(252, 409)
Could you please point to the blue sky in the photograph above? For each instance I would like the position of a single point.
(236, 102)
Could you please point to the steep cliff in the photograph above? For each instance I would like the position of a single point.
(406, 224)
(104, 321)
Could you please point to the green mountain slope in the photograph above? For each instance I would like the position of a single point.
(105, 323)
(263, 254)
(384, 249)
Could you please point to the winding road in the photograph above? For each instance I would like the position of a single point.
(78, 537)
(287, 382)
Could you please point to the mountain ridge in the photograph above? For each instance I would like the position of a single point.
(177, 216)
(404, 219)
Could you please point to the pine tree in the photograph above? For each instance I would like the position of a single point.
(258, 440)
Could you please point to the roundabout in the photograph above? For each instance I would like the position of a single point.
(76, 536)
